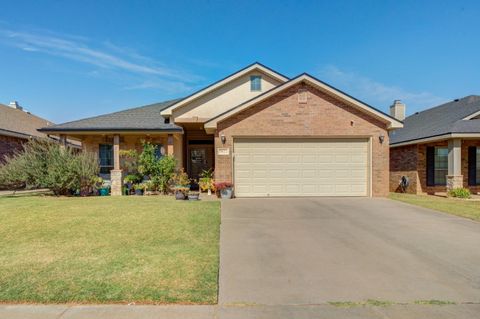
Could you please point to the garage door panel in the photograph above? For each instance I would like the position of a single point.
(301, 167)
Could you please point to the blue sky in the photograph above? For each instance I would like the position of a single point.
(66, 60)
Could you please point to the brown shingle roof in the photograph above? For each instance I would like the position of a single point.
(20, 122)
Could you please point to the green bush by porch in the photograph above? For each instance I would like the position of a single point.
(108, 250)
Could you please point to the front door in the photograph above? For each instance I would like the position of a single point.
(200, 158)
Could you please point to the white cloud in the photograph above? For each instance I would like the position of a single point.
(107, 56)
(376, 93)
(171, 87)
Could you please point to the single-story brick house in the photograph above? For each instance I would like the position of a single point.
(17, 126)
(437, 149)
(266, 133)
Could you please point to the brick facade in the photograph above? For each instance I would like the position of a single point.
(411, 161)
(403, 162)
(322, 116)
(9, 145)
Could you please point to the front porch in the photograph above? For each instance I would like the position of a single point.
(193, 149)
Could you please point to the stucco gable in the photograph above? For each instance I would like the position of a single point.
(227, 92)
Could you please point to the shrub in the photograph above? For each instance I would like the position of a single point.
(45, 164)
(129, 161)
(166, 170)
(133, 178)
(460, 192)
(85, 170)
(160, 171)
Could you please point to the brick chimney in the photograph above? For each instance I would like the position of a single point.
(397, 110)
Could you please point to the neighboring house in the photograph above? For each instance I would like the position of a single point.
(16, 127)
(266, 133)
(438, 149)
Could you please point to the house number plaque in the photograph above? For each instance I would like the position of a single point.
(223, 151)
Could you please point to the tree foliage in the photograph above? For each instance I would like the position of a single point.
(159, 170)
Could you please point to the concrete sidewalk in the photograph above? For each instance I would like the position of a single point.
(461, 311)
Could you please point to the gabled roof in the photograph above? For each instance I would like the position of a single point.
(449, 118)
(20, 123)
(392, 122)
(254, 66)
(144, 118)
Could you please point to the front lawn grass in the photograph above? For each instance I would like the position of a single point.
(108, 250)
(459, 207)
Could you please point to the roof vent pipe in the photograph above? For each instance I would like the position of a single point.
(397, 110)
(15, 105)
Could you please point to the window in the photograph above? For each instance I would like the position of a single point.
(473, 166)
(105, 154)
(159, 151)
(440, 165)
(255, 83)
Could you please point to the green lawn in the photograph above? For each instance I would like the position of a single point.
(460, 207)
(108, 250)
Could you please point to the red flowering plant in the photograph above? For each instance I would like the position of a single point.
(219, 186)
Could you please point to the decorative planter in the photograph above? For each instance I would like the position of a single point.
(193, 196)
(226, 193)
(179, 195)
(139, 192)
(103, 191)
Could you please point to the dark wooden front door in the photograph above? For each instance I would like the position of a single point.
(200, 158)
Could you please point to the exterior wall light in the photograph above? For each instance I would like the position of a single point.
(223, 139)
(381, 138)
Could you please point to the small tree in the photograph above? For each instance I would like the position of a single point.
(159, 170)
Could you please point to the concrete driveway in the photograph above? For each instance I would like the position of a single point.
(308, 251)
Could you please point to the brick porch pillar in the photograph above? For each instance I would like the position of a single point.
(454, 177)
(116, 172)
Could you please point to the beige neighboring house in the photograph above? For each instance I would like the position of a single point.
(268, 134)
(17, 126)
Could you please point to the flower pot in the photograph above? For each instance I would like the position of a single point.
(179, 195)
(226, 193)
(209, 192)
(103, 191)
(193, 196)
(139, 192)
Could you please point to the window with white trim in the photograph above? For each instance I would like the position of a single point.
(255, 83)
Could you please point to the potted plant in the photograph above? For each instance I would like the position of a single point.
(193, 195)
(150, 188)
(206, 181)
(224, 190)
(131, 179)
(181, 184)
(139, 188)
(104, 188)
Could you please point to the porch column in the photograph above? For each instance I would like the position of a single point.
(116, 172)
(170, 145)
(454, 177)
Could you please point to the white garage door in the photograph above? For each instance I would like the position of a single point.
(301, 167)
